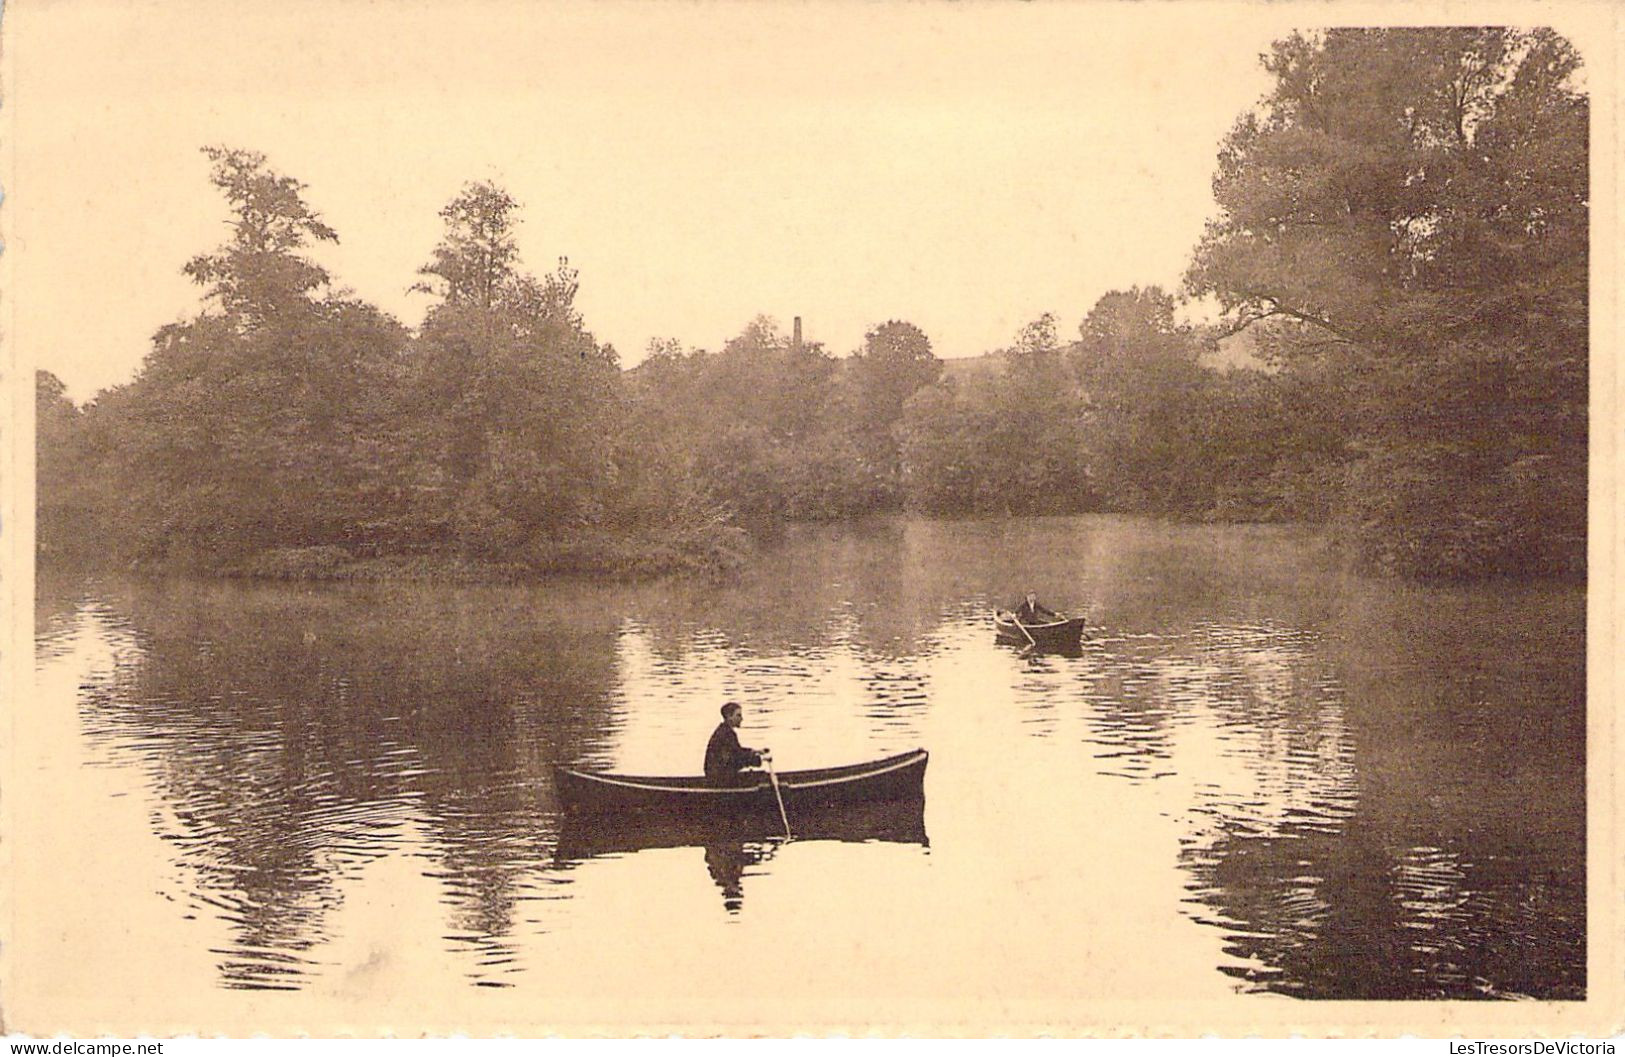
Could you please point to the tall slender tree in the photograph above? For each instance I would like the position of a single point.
(513, 398)
(262, 269)
(476, 258)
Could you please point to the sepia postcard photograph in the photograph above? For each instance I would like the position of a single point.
(1070, 518)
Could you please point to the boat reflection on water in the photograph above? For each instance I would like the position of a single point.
(1042, 652)
(735, 844)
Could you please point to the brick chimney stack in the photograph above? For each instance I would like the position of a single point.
(796, 340)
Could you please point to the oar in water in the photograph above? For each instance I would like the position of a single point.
(767, 761)
(1032, 643)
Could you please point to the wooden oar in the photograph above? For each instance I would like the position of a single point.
(767, 761)
(1032, 643)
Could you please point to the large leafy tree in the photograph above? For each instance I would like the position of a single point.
(1413, 204)
(1151, 406)
(947, 465)
(766, 445)
(1008, 439)
(511, 401)
(895, 362)
(1036, 441)
(247, 427)
(1126, 323)
(765, 429)
(772, 382)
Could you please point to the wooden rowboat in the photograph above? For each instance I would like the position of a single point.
(899, 777)
(1063, 634)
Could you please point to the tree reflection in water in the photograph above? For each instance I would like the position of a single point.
(293, 744)
(1376, 788)
(1355, 828)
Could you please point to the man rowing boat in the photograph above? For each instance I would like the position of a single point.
(725, 758)
(1031, 612)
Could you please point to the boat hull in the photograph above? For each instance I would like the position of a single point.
(895, 778)
(586, 835)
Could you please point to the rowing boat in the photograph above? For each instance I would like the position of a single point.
(1063, 634)
(899, 777)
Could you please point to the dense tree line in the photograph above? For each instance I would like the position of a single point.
(1130, 416)
(1402, 234)
(291, 429)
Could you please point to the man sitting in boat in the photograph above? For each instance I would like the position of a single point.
(725, 758)
(1031, 612)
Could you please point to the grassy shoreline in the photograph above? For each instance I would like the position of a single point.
(606, 557)
(713, 553)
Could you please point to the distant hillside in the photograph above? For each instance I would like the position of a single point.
(1235, 352)
(964, 368)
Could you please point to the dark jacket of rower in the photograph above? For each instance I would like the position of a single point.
(1031, 612)
(724, 756)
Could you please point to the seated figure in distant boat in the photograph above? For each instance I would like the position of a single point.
(1031, 612)
(725, 758)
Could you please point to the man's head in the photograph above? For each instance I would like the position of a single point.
(732, 714)
(1032, 599)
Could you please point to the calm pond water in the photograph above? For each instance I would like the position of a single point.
(1264, 774)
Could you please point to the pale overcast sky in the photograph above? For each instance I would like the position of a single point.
(965, 167)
